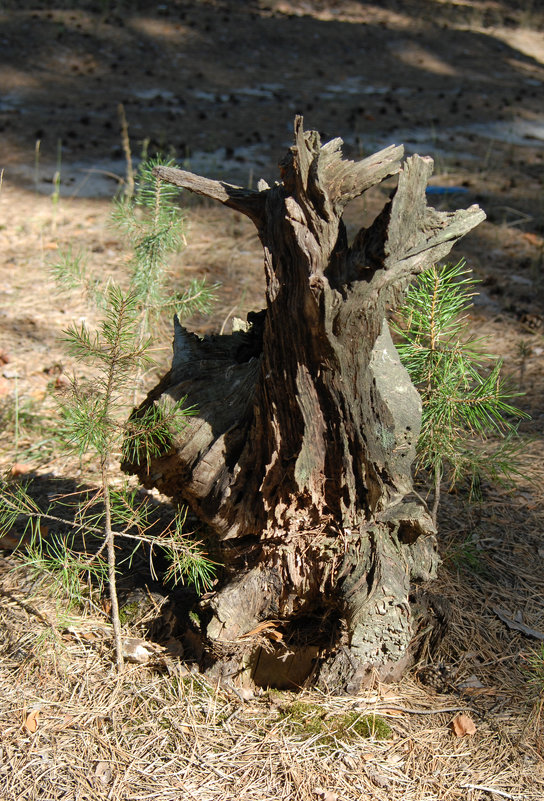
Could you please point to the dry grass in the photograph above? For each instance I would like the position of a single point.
(164, 732)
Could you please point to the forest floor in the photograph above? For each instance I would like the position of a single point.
(216, 84)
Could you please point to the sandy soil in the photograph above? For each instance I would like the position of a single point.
(216, 84)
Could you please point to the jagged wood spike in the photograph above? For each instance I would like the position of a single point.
(245, 201)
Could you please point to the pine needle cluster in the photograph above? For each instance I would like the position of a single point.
(469, 424)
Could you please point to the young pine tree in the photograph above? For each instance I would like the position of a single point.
(95, 413)
(466, 403)
(94, 422)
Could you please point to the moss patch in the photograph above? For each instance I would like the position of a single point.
(311, 720)
(129, 613)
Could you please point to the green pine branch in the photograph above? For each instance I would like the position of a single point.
(132, 521)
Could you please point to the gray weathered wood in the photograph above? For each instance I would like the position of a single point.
(243, 200)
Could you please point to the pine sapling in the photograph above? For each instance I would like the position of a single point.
(94, 416)
(466, 402)
(95, 423)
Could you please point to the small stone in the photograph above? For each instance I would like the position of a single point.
(9, 372)
(139, 651)
(103, 772)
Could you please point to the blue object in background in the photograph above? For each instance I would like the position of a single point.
(446, 190)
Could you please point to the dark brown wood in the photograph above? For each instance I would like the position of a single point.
(300, 456)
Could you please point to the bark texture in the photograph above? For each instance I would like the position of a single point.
(300, 457)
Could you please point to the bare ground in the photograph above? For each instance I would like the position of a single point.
(217, 84)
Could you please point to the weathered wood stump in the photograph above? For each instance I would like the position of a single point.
(300, 457)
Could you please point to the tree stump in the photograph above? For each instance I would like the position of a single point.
(299, 459)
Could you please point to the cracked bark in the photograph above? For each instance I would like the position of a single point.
(300, 457)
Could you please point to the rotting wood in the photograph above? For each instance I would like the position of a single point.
(300, 456)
